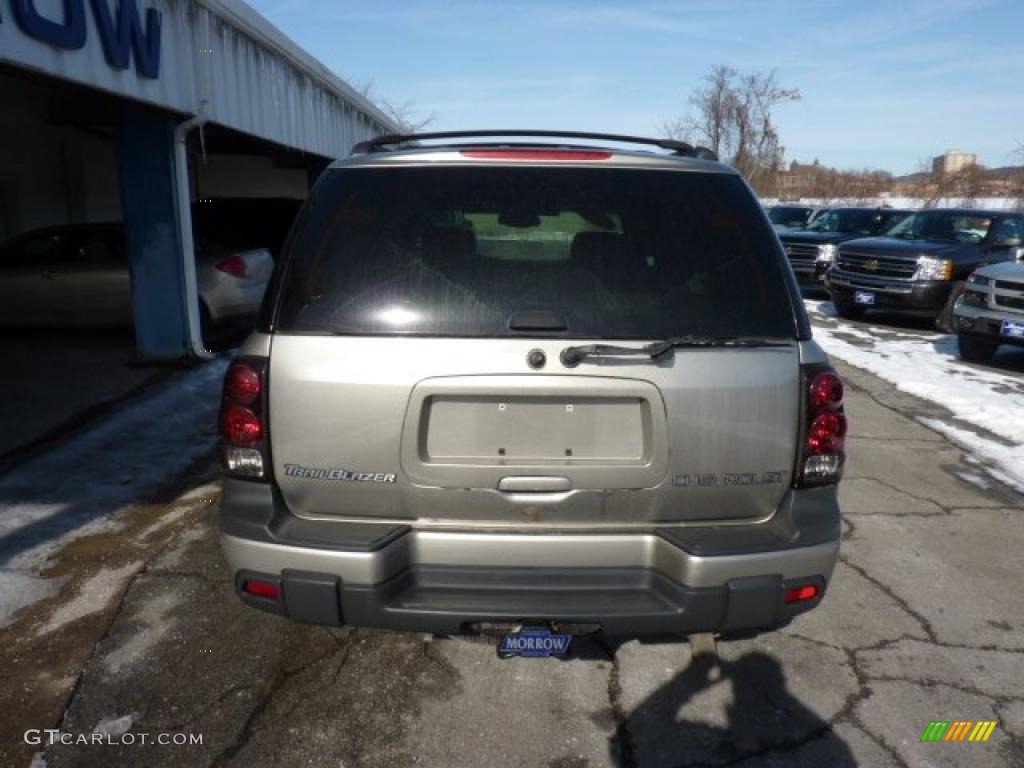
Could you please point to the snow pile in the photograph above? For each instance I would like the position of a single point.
(926, 365)
(78, 488)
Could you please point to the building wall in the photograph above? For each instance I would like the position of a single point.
(953, 162)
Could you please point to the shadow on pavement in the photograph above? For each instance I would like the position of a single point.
(1007, 359)
(670, 728)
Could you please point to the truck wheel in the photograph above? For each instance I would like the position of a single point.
(944, 322)
(975, 350)
(849, 311)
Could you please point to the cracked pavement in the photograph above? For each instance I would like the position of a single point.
(924, 621)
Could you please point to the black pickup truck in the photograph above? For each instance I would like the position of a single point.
(921, 265)
(791, 216)
(811, 251)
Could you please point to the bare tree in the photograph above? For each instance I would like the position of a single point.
(732, 114)
(1017, 180)
(405, 115)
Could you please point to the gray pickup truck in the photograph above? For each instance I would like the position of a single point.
(991, 310)
(533, 386)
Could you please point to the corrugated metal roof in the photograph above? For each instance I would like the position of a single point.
(224, 62)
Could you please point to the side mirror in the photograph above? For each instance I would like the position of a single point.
(1017, 252)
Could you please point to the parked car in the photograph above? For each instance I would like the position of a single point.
(991, 310)
(78, 275)
(922, 264)
(534, 388)
(812, 251)
(792, 216)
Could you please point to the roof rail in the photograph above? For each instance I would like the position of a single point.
(391, 141)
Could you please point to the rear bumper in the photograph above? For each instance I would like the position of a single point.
(632, 583)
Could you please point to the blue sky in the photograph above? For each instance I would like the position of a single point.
(884, 84)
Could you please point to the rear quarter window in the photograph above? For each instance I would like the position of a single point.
(456, 250)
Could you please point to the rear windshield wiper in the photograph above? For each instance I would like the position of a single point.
(573, 356)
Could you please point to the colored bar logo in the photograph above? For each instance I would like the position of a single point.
(958, 730)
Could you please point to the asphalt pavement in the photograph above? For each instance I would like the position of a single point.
(924, 621)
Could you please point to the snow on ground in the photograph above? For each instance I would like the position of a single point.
(926, 365)
(93, 596)
(78, 488)
(153, 625)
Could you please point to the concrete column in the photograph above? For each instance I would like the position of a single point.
(146, 163)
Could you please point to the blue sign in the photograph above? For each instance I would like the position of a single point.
(536, 642)
(121, 33)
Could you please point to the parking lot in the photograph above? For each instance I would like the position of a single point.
(923, 622)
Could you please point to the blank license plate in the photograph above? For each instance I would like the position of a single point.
(863, 297)
(1013, 328)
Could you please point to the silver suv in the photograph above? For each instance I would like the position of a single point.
(500, 385)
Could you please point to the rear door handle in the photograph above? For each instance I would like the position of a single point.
(539, 484)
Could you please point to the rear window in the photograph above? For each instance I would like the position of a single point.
(456, 251)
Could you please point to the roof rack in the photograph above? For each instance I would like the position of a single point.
(391, 141)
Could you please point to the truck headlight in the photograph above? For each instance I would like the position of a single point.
(930, 268)
(826, 253)
(978, 279)
(974, 298)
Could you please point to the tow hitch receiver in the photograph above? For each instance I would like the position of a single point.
(533, 642)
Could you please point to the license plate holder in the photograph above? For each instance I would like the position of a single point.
(533, 643)
(1013, 329)
(864, 297)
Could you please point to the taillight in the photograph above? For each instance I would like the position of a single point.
(234, 266)
(240, 426)
(823, 452)
(242, 383)
(242, 419)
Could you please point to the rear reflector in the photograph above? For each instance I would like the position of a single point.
(535, 154)
(802, 594)
(265, 589)
(234, 266)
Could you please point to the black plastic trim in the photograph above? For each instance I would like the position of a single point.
(629, 602)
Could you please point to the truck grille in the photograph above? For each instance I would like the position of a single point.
(801, 255)
(874, 265)
(1010, 302)
(1006, 285)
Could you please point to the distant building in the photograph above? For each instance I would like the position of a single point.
(798, 178)
(952, 161)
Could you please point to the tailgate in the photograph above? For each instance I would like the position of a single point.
(461, 431)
